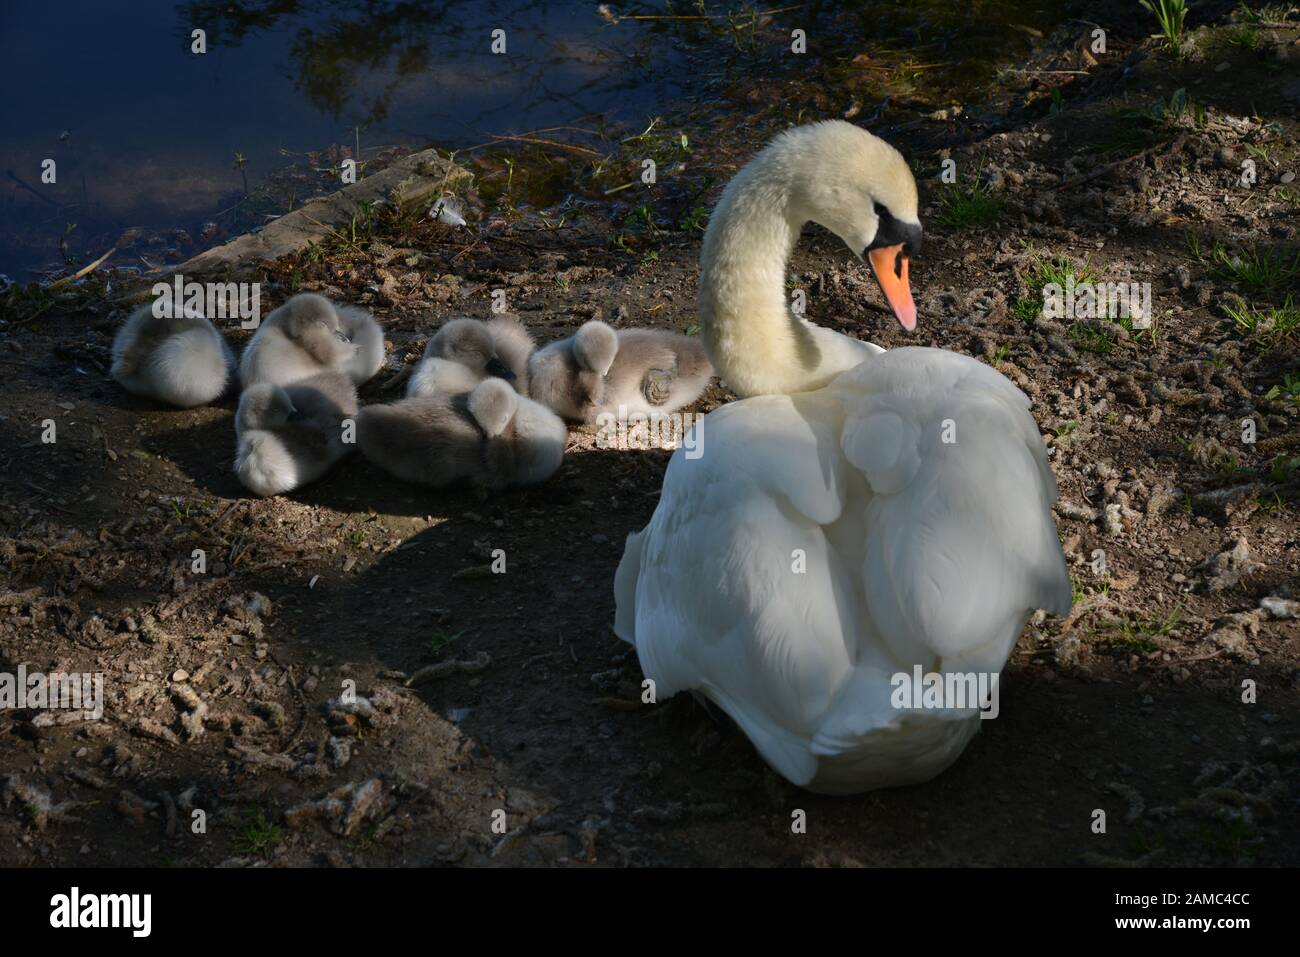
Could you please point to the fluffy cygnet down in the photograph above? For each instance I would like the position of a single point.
(181, 360)
(287, 436)
(515, 346)
(492, 437)
(307, 335)
(568, 376)
(466, 351)
(655, 371)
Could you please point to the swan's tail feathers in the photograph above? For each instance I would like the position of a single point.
(784, 750)
(961, 543)
(912, 749)
(625, 582)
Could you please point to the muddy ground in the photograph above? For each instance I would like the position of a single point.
(222, 688)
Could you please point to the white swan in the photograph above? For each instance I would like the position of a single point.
(911, 487)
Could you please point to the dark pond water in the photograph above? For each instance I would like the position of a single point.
(150, 137)
(145, 133)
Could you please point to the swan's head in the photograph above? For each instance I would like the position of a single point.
(470, 343)
(860, 188)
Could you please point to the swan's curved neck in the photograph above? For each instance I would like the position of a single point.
(756, 343)
(747, 328)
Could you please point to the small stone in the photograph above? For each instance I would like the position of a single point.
(1287, 177)
(1228, 567)
(180, 674)
(1277, 607)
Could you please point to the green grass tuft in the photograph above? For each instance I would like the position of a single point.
(968, 204)
(1170, 16)
(1256, 268)
(259, 837)
(1269, 326)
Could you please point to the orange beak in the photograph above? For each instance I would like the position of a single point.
(889, 265)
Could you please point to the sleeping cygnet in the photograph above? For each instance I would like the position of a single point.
(464, 352)
(365, 333)
(287, 436)
(655, 371)
(493, 437)
(515, 346)
(568, 376)
(308, 335)
(181, 360)
(459, 356)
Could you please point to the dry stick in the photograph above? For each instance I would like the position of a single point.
(545, 129)
(83, 271)
(1101, 170)
(697, 17)
(587, 151)
(485, 237)
(208, 529)
(39, 195)
(1180, 661)
(557, 129)
(464, 249)
(888, 68)
(450, 667)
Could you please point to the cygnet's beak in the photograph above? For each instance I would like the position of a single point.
(496, 367)
(889, 266)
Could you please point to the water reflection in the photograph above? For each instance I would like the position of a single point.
(146, 134)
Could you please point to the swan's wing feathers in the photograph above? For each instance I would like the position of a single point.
(759, 626)
(787, 445)
(961, 545)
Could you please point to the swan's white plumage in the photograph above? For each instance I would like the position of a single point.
(917, 552)
(912, 485)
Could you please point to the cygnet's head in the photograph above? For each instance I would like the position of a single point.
(595, 347)
(263, 406)
(860, 188)
(468, 342)
(313, 322)
(493, 404)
